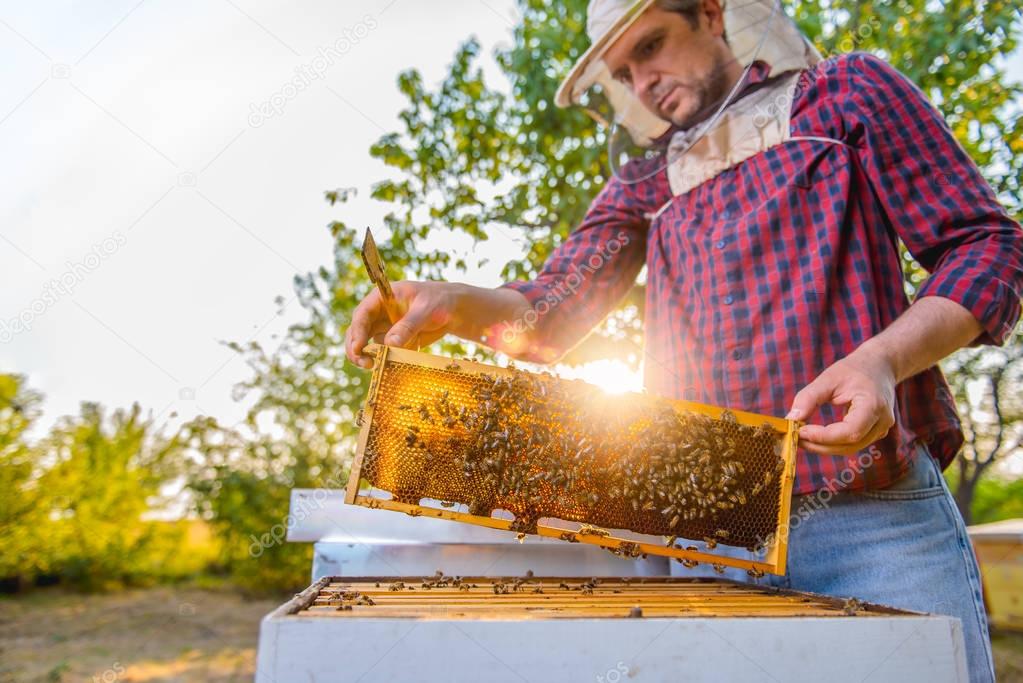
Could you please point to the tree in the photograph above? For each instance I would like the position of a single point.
(986, 384)
(22, 551)
(73, 503)
(472, 158)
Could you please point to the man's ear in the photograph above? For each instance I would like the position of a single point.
(712, 15)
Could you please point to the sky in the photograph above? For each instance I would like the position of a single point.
(163, 180)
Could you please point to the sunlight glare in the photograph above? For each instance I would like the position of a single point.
(613, 376)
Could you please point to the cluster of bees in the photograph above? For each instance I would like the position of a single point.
(541, 447)
(343, 600)
(687, 467)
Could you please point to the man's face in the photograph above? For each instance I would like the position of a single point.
(679, 71)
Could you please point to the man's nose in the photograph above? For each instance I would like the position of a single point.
(645, 82)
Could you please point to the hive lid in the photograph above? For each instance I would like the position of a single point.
(1005, 530)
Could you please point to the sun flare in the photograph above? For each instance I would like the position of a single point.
(613, 376)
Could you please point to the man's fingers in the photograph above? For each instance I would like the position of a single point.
(364, 318)
(857, 424)
(876, 434)
(410, 324)
(813, 395)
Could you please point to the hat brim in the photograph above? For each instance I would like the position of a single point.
(581, 77)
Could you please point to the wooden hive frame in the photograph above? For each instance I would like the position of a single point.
(775, 555)
(477, 597)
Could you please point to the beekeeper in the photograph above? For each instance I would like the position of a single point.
(767, 191)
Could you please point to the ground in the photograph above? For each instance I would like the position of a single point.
(179, 634)
(157, 634)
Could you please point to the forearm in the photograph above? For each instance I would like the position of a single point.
(488, 315)
(931, 329)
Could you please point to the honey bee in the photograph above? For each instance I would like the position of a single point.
(722, 533)
(755, 573)
(711, 543)
(719, 568)
(851, 606)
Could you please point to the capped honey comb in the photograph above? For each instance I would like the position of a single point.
(461, 440)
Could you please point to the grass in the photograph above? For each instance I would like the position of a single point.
(1008, 651)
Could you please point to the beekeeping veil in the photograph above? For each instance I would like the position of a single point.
(640, 144)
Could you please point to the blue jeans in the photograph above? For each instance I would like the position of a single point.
(904, 546)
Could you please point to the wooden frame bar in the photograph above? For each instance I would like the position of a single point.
(774, 560)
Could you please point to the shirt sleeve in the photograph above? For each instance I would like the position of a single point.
(585, 277)
(935, 196)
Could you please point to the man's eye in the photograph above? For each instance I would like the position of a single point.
(650, 47)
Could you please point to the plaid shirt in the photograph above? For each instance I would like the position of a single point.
(760, 278)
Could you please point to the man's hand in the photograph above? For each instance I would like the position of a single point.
(864, 382)
(429, 310)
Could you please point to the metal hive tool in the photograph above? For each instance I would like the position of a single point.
(462, 440)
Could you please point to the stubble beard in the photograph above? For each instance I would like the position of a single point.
(710, 90)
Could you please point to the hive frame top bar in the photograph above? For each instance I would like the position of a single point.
(773, 561)
(401, 355)
(658, 597)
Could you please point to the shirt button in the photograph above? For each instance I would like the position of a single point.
(729, 300)
(720, 244)
(737, 354)
(727, 215)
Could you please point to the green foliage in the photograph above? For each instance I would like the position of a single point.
(996, 497)
(74, 503)
(22, 551)
(471, 158)
(241, 484)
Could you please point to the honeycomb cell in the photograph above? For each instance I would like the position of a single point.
(538, 446)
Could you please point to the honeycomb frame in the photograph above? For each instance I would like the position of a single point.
(773, 559)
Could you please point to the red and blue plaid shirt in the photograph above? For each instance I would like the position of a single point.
(760, 278)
